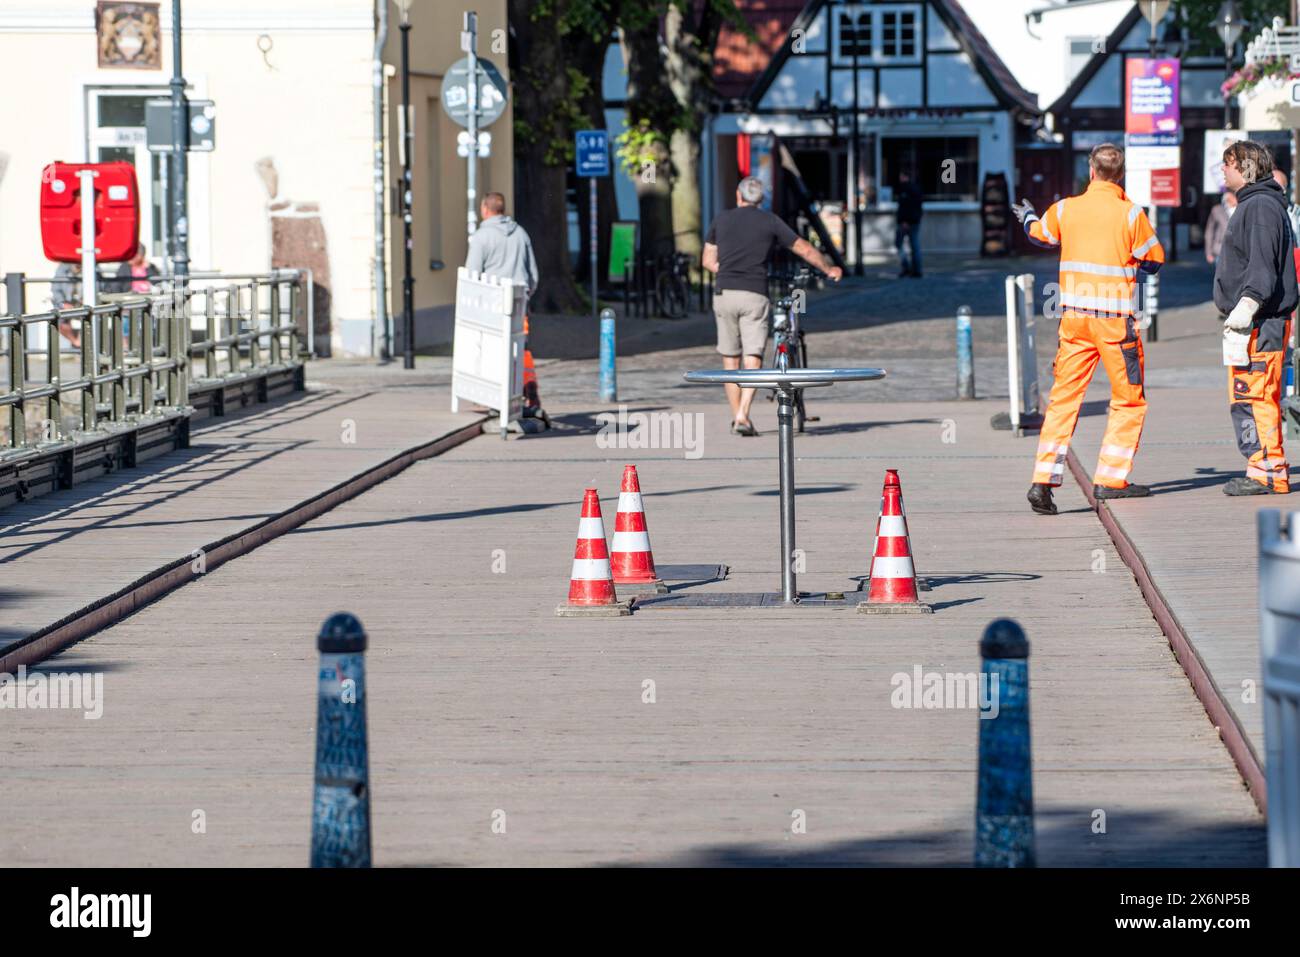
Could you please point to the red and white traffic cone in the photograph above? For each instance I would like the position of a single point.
(634, 563)
(591, 586)
(893, 578)
(891, 479)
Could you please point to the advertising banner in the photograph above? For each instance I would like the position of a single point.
(1151, 106)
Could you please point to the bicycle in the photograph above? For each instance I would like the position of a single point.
(789, 347)
(673, 285)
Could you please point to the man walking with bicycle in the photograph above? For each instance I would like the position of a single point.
(736, 250)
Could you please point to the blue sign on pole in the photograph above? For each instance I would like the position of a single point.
(592, 150)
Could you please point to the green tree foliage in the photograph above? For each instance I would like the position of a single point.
(1197, 18)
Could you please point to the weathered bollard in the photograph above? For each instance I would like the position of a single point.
(340, 818)
(1004, 805)
(1279, 647)
(608, 372)
(965, 355)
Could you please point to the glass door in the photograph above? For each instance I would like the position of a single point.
(116, 131)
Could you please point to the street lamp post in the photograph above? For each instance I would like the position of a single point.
(408, 144)
(1228, 25)
(1154, 11)
(179, 157)
(856, 189)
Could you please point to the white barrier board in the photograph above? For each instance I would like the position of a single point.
(487, 365)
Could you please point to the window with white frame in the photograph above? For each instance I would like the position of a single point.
(878, 34)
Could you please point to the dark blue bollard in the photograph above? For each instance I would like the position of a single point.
(1004, 806)
(340, 815)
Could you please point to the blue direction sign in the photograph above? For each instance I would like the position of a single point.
(592, 152)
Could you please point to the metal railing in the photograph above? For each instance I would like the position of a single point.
(135, 354)
(246, 315)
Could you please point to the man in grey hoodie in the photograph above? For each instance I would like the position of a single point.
(501, 247)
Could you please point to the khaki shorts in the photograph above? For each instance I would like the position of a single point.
(742, 322)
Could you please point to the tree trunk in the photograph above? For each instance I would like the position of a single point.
(651, 115)
(689, 38)
(542, 138)
(687, 197)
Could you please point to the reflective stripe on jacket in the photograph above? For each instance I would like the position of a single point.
(1104, 237)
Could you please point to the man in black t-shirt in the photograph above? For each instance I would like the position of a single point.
(737, 248)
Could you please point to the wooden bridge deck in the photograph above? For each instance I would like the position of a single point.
(481, 700)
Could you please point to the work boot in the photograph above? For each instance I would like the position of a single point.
(1247, 486)
(1128, 491)
(1040, 499)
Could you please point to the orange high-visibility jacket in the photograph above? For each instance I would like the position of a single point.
(1105, 238)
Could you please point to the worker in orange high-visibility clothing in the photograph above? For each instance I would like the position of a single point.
(1106, 240)
(1255, 289)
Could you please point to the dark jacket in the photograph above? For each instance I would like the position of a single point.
(122, 280)
(1256, 259)
(910, 199)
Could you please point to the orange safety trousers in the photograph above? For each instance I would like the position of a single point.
(1086, 340)
(531, 396)
(1255, 401)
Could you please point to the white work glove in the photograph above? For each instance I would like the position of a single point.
(1242, 316)
(1236, 347)
(1024, 210)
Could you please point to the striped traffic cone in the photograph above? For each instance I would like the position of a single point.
(893, 578)
(891, 478)
(591, 587)
(634, 564)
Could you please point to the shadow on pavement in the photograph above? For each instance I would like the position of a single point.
(573, 503)
(1205, 478)
(1063, 838)
(809, 489)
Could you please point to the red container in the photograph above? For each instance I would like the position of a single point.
(117, 211)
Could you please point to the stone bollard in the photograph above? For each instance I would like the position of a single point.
(340, 818)
(965, 355)
(1004, 806)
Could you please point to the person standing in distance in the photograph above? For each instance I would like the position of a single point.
(736, 250)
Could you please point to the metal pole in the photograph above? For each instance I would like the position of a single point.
(785, 446)
(592, 234)
(408, 144)
(179, 156)
(380, 335)
(1153, 287)
(87, 193)
(1227, 100)
(470, 42)
(856, 173)
(164, 210)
